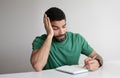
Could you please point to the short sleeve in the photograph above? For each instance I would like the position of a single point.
(86, 48)
(37, 42)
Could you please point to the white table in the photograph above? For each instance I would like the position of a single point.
(109, 70)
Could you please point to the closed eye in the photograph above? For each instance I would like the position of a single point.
(55, 27)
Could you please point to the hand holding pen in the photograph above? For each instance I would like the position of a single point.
(91, 63)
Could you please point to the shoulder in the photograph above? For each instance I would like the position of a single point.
(40, 38)
(74, 35)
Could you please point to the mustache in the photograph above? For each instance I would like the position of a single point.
(60, 35)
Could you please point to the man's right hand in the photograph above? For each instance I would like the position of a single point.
(48, 26)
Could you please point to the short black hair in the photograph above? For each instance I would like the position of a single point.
(55, 14)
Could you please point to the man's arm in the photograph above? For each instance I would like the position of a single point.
(93, 64)
(39, 57)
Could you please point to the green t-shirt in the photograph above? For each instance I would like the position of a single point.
(66, 52)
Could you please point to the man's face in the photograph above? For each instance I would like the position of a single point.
(59, 28)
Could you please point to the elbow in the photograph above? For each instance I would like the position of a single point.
(37, 68)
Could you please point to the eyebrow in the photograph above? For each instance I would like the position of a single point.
(58, 26)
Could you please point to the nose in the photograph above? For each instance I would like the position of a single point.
(61, 31)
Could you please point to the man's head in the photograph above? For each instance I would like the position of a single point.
(58, 22)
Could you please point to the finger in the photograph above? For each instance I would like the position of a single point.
(86, 62)
(87, 59)
(87, 66)
(92, 67)
(45, 21)
(91, 62)
(48, 20)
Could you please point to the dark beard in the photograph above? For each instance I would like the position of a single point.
(60, 40)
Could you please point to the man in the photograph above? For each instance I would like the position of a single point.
(59, 47)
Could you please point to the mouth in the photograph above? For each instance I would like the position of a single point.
(63, 36)
(60, 38)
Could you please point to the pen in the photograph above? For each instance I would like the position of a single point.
(92, 59)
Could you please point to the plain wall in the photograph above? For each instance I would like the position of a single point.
(22, 20)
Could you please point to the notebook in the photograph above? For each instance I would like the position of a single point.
(72, 69)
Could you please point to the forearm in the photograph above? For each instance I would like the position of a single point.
(98, 58)
(39, 58)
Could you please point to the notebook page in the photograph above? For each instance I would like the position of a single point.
(72, 69)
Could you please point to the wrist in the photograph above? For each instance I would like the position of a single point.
(100, 63)
(50, 36)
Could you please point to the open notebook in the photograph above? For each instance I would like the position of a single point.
(72, 69)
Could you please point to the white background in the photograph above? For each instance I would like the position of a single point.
(22, 20)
